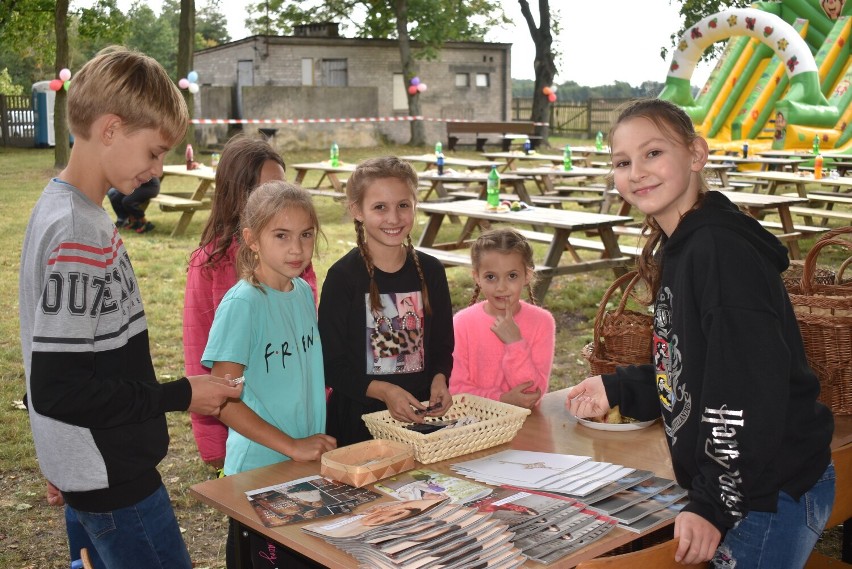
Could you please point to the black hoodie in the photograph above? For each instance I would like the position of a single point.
(730, 376)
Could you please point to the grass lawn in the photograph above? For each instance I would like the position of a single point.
(32, 533)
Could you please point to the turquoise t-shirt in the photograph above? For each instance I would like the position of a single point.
(274, 335)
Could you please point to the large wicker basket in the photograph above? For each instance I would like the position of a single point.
(824, 313)
(621, 336)
(498, 423)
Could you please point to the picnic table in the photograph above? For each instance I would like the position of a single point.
(187, 205)
(335, 187)
(517, 155)
(562, 222)
(765, 162)
(431, 161)
(475, 182)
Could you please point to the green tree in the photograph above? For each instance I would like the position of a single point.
(211, 27)
(428, 23)
(149, 35)
(7, 85)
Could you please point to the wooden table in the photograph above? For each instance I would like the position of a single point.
(548, 429)
(186, 205)
(335, 187)
(431, 162)
(840, 162)
(514, 156)
(766, 163)
(545, 175)
(476, 182)
(563, 222)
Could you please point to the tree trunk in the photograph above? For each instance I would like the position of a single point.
(545, 68)
(186, 49)
(418, 129)
(60, 109)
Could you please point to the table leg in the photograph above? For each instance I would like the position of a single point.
(788, 227)
(186, 217)
(335, 182)
(430, 232)
(551, 259)
(300, 176)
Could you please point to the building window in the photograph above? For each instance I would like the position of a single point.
(462, 79)
(400, 96)
(307, 71)
(335, 73)
(483, 80)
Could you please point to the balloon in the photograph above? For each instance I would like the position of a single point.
(422, 87)
(183, 83)
(192, 76)
(65, 74)
(546, 91)
(552, 97)
(193, 88)
(415, 81)
(412, 90)
(67, 84)
(553, 88)
(55, 85)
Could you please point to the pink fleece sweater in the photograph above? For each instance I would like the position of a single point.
(483, 365)
(205, 288)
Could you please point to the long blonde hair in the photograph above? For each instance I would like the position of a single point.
(505, 241)
(264, 203)
(364, 175)
(673, 121)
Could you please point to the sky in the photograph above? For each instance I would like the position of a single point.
(602, 41)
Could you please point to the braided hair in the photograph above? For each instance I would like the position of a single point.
(503, 240)
(365, 174)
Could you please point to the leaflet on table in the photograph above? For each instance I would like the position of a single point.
(608, 490)
(305, 499)
(422, 483)
(655, 503)
(657, 518)
(633, 495)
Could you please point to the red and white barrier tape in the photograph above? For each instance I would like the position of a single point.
(332, 121)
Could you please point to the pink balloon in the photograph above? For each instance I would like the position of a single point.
(55, 84)
(412, 90)
(552, 97)
(65, 74)
(183, 83)
(422, 87)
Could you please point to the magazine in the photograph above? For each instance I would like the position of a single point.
(418, 484)
(633, 495)
(305, 499)
(657, 502)
(622, 483)
(387, 516)
(520, 507)
(655, 519)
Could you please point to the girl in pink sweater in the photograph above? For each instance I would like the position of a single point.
(245, 163)
(504, 345)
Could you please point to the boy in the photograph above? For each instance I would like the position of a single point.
(97, 412)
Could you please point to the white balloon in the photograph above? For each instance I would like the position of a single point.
(193, 88)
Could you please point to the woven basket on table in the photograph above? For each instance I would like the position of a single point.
(621, 337)
(824, 313)
(497, 423)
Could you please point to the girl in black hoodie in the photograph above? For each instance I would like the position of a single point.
(747, 436)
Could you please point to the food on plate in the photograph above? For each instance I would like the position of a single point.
(614, 417)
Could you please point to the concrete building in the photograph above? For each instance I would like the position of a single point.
(317, 75)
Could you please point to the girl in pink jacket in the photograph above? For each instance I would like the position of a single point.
(245, 163)
(504, 345)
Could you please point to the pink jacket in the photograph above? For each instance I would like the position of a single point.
(205, 288)
(483, 365)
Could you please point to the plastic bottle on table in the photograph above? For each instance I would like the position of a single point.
(816, 144)
(190, 157)
(492, 189)
(566, 159)
(334, 154)
(439, 160)
(439, 148)
(745, 150)
(527, 145)
(818, 161)
(599, 141)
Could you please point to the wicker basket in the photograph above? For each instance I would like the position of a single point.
(793, 275)
(498, 423)
(621, 337)
(824, 313)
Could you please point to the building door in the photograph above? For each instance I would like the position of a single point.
(245, 78)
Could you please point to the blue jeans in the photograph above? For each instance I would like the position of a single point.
(143, 535)
(783, 539)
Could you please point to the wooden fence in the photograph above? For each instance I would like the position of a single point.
(17, 121)
(576, 120)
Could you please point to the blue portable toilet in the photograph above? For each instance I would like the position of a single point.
(43, 101)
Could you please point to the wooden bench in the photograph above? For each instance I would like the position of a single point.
(577, 243)
(451, 259)
(541, 201)
(168, 202)
(482, 130)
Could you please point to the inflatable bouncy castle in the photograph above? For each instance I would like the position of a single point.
(782, 80)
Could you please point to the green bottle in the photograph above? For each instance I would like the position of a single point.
(492, 189)
(334, 154)
(438, 148)
(599, 141)
(566, 159)
(816, 144)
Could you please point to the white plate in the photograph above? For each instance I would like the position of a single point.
(615, 426)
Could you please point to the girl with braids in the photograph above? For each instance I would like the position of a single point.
(504, 345)
(265, 331)
(385, 315)
(748, 439)
(246, 162)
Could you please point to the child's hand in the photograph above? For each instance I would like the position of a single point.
(521, 396)
(209, 393)
(506, 328)
(312, 447)
(439, 397)
(588, 398)
(54, 496)
(698, 538)
(401, 404)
